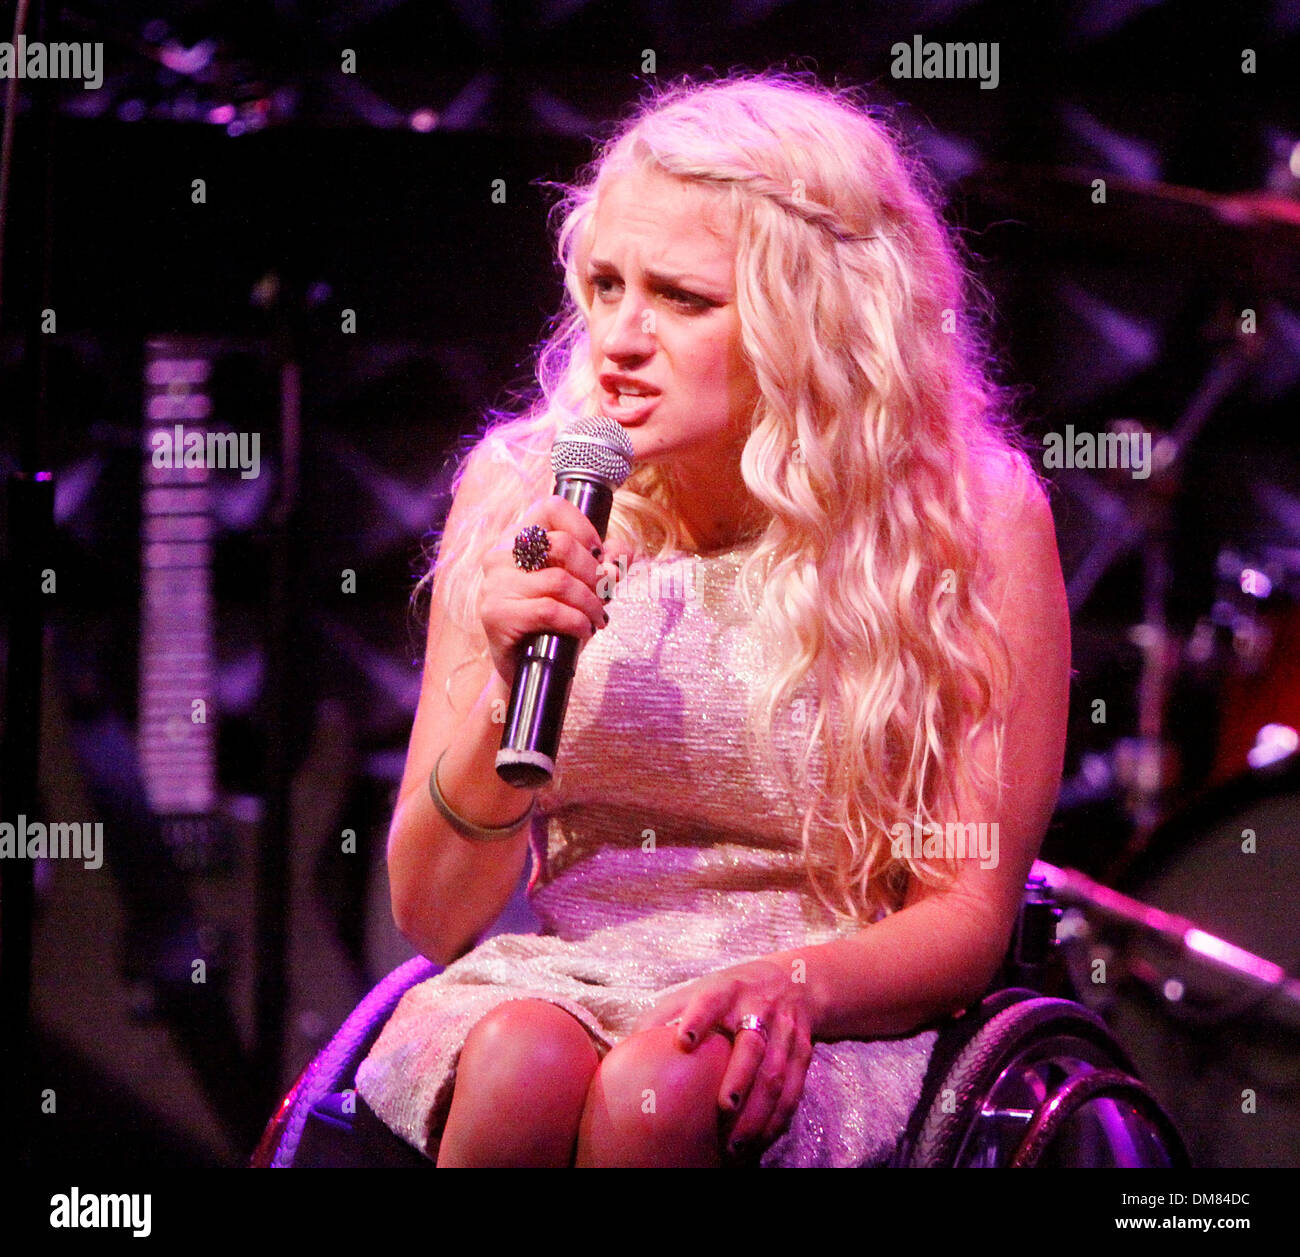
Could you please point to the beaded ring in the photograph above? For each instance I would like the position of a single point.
(532, 547)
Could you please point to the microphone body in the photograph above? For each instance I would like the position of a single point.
(587, 473)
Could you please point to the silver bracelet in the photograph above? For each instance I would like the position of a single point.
(467, 829)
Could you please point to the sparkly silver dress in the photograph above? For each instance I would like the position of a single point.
(661, 853)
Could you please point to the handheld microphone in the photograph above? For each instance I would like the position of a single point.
(590, 460)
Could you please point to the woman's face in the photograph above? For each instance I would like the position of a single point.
(661, 282)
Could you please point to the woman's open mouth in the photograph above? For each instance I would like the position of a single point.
(626, 407)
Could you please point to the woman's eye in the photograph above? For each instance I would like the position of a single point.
(689, 300)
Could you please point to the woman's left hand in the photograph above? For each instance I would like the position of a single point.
(765, 1076)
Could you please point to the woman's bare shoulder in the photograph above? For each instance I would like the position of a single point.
(1010, 501)
(1006, 486)
(1017, 531)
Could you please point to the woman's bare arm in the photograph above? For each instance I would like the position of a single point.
(445, 889)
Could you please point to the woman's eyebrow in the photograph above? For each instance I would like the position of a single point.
(659, 277)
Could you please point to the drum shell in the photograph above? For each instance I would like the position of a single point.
(1225, 1065)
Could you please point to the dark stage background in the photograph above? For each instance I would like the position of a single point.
(372, 191)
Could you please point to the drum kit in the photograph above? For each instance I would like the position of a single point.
(1184, 939)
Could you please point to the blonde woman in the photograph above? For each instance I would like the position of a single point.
(837, 643)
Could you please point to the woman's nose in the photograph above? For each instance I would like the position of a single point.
(632, 328)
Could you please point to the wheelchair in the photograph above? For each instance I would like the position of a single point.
(1020, 1080)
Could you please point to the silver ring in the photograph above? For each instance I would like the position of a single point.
(752, 1022)
(532, 547)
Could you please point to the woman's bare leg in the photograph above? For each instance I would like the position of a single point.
(653, 1104)
(520, 1088)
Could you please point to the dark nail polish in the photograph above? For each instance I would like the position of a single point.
(597, 551)
(735, 1099)
(606, 615)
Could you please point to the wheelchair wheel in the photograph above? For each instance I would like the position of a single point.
(1043, 1083)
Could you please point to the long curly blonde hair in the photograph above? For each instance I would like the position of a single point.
(878, 410)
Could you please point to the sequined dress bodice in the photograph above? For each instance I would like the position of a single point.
(658, 804)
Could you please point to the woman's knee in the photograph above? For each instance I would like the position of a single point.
(521, 1082)
(530, 1045)
(653, 1103)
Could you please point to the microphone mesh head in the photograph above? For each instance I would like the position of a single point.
(595, 445)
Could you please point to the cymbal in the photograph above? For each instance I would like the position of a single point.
(1249, 236)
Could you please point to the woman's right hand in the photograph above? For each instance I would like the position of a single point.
(562, 597)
